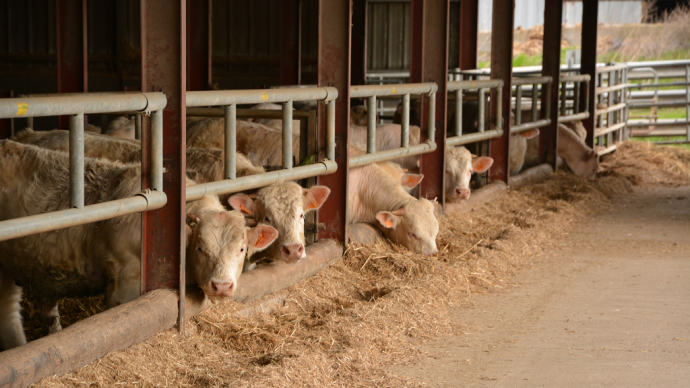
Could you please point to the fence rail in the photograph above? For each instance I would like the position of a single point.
(481, 86)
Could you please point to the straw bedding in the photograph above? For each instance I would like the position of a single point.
(345, 325)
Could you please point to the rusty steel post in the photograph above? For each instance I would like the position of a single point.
(590, 14)
(72, 50)
(551, 66)
(502, 68)
(290, 42)
(335, 18)
(469, 15)
(359, 42)
(429, 55)
(199, 44)
(163, 64)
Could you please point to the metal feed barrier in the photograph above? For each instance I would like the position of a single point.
(535, 122)
(370, 92)
(229, 99)
(610, 121)
(480, 86)
(77, 106)
(570, 109)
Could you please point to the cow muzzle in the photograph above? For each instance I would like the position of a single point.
(222, 288)
(462, 193)
(292, 252)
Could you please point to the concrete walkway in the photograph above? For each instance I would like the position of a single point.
(610, 307)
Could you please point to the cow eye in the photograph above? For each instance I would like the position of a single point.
(412, 235)
(199, 249)
(242, 250)
(268, 220)
(301, 215)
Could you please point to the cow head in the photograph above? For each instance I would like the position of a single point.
(459, 168)
(413, 226)
(217, 244)
(283, 206)
(587, 166)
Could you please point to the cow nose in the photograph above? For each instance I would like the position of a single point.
(223, 289)
(292, 251)
(462, 193)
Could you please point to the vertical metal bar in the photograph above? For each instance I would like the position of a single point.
(76, 161)
(564, 97)
(518, 103)
(137, 126)
(290, 42)
(431, 125)
(30, 122)
(586, 99)
(469, 16)
(498, 104)
(330, 130)
(625, 100)
(576, 97)
(405, 122)
(198, 44)
(481, 112)
(334, 37)
(548, 114)
(230, 141)
(590, 12)
(535, 104)
(157, 151)
(687, 102)
(458, 112)
(72, 53)
(371, 125)
(501, 68)
(287, 135)
(609, 103)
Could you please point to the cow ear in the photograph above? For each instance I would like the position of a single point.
(530, 134)
(410, 180)
(482, 163)
(261, 237)
(192, 219)
(388, 220)
(188, 235)
(315, 197)
(243, 204)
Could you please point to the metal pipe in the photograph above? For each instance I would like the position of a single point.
(360, 91)
(47, 222)
(656, 85)
(530, 125)
(535, 103)
(71, 105)
(227, 97)
(548, 99)
(611, 88)
(458, 112)
(405, 122)
(574, 77)
(499, 107)
(76, 161)
(157, 150)
(330, 130)
(573, 117)
(371, 124)
(658, 123)
(381, 156)
(564, 98)
(480, 110)
(576, 97)
(518, 104)
(606, 130)
(687, 99)
(137, 126)
(587, 96)
(473, 137)
(287, 135)
(531, 80)
(230, 141)
(431, 130)
(245, 113)
(466, 85)
(255, 181)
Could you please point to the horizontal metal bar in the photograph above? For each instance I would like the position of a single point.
(573, 117)
(611, 108)
(608, 68)
(390, 90)
(657, 123)
(612, 88)
(39, 223)
(382, 156)
(465, 85)
(260, 180)
(603, 131)
(75, 104)
(681, 62)
(531, 80)
(575, 78)
(227, 97)
(607, 150)
(672, 142)
(245, 113)
(530, 125)
(646, 104)
(642, 86)
(79, 94)
(473, 137)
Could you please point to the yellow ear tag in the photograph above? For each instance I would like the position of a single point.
(244, 209)
(410, 180)
(259, 240)
(480, 166)
(389, 224)
(313, 204)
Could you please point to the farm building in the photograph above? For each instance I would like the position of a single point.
(175, 173)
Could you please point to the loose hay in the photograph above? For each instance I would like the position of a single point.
(345, 325)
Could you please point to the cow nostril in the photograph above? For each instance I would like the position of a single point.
(222, 288)
(301, 249)
(286, 250)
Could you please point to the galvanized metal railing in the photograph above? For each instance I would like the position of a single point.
(535, 122)
(229, 99)
(572, 111)
(77, 106)
(611, 110)
(481, 87)
(371, 92)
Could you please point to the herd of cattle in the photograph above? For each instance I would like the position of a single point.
(226, 234)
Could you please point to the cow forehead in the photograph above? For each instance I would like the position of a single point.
(460, 158)
(217, 233)
(421, 214)
(282, 199)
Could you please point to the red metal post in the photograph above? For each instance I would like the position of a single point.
(502, 68)
(429, 63)
(163, 68)
(590, 14)
(335, 18)
(469, 15)
(199, 41)
(548, 138)
(72, 50)
(359, 42)
(290, 42)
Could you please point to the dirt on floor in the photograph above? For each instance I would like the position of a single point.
(347, 325)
